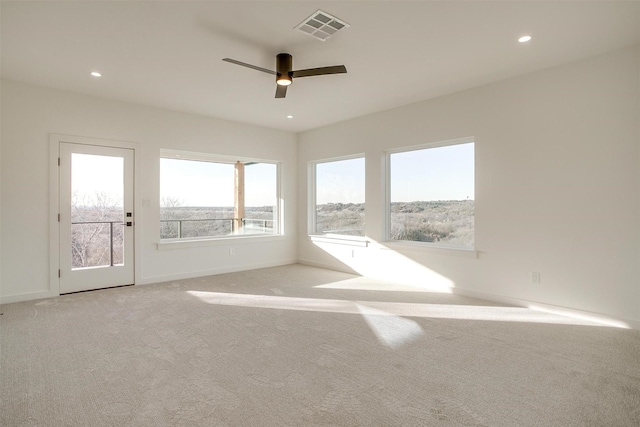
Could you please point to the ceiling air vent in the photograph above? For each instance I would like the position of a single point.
(321, 25)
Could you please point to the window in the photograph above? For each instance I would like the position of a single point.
(431, 195)
(339, 197)
(204, 197)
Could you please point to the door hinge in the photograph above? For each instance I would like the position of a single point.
(58, 217)
(58, 274)
(58, 161)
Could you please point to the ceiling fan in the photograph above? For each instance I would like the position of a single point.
(284, 73)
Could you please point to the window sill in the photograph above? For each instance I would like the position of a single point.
(217, 241)
(422, 247)
(339, 239)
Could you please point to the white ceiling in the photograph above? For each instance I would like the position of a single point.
(169, 54)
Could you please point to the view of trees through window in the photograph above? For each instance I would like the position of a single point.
(207, 199)
(340, 197)
(432, 195)
(96, 210)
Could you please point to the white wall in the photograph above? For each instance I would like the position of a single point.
(557, 187)
(30, 114)
(0, 197)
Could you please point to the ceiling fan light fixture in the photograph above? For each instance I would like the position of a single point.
(285, 73)
(284, 80)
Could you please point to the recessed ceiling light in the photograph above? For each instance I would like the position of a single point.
(96, 74)
(524, 39)
(289, 117)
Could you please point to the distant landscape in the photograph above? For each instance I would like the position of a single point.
(179, 221)
(97, 229)
(448, 222)
(340, 218)
(96, 235)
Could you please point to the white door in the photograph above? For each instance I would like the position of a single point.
(96, 217)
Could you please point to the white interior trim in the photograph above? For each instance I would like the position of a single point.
(340, 239)
(427, 145)
(386, 186)
(54, 208)
(423, 247)
(209, 157)
(230, 160)
(201, 273)
(170, 244)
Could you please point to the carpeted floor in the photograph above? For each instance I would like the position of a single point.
(301, 346)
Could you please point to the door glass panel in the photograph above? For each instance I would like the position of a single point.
(97, 195)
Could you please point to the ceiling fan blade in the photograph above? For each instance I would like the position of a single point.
(336, 69)
(244, 64)
(281, 91)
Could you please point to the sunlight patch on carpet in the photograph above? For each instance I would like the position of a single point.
(430, 311)
(392, 331)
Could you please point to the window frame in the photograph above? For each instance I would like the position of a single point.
(437, 247)
(278, 224)
(312, 199)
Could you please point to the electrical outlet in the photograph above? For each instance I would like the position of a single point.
(535, 278)
(232, 251)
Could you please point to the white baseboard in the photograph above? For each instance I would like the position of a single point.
(596, 317)
(9, 299)
(565, 311)
(326, 266)
(212, 272)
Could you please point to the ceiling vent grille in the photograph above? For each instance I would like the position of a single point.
(321, 25)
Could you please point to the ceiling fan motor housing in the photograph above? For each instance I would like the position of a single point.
(284, 65)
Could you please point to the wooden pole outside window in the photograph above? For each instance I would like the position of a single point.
(238, 210)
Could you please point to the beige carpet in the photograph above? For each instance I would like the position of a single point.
(300, 346)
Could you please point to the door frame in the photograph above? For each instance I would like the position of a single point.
(54, 201)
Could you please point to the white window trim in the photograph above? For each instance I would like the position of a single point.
(445, 143)
(186, 242)
(209, 157)
(311, 200)
(408, 244)
(341, 239)
(190, 242)
(426, 247)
